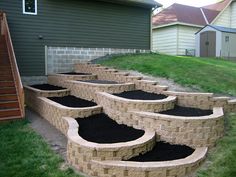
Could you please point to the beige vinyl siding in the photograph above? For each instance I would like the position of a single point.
(186, 38)
(228, 50)
(233, 15)
(165, 40)
(224, 19)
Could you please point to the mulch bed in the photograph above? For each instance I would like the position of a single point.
(101, 82)
(102, 129)
(186, 111)
(140, 95)
(74, 73)
(72, 101)
(47, 87)
(163, 152)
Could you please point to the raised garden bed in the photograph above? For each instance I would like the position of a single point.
(101, 82)
(187, 112)
(141, 95)
(75, 73)
(72, 101)
(47, 87)
(164, 152)
(102, 129)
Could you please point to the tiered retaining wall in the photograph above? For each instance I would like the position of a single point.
(53, 112)
(192, 131)
(196, 100)
(80, 152)
(88, 90)
(118, 108)
(203, 100)
(32, 94)
(175, 168)
(62, 79)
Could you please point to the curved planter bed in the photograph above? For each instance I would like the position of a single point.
(118, 108)
(88, 89)
(62, 78)
(180, 168)
(54, 108)
(80, 151)
(201, 100)
(43, 90)
(105, 73)
(191, 130)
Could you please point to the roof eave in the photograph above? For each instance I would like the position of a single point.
(176, 23)
(142, 3)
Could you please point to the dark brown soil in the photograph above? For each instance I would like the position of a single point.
(102, 129)
(186, 111)
(72, 101)
(47, 87)
(74, 73)
(163, 152)
(140, 95)
(101, 82)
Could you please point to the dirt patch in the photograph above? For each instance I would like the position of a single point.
(173, 86)
(163, 152)
(101, 82)
(186, 111)
(72, 101)
(100, 128)
(47, 87)
(141, 95)
(54, 137)
(74, 73)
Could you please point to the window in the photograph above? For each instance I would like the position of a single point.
(30, 7)
(226, 38)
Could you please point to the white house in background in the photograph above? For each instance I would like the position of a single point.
(216, 41)
(174, 28)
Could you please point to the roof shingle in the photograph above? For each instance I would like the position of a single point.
(189, 14)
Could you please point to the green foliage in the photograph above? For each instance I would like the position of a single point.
(24, 153)
(211, 75)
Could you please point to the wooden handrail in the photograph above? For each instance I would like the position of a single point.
(16, 75)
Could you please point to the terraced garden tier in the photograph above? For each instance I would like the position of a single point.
(164, 151)
(187, 112)
(72, 101)
(101, 81)
(88, 89)
(75, 73)
(102, 129)
(47, 87)
(140, 95)
(63, 78)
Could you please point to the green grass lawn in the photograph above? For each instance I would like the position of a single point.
(211, 75)
(222, 159)
(23, 153)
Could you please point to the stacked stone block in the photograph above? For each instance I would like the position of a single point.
(62, 79)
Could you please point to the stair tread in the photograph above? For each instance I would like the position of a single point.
(10, 118)
(9, 109)
(10, 101)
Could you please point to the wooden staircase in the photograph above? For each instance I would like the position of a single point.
(11, 89)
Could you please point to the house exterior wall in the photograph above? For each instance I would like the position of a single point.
(224, 19)
(165, 40)
(62, 59)
(73, 23)
(186, 38)
(228, 48)
(233, 15)
(174, 40)
(218, 41)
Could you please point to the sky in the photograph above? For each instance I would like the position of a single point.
(197, 3)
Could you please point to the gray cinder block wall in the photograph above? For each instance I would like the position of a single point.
(62, 59)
